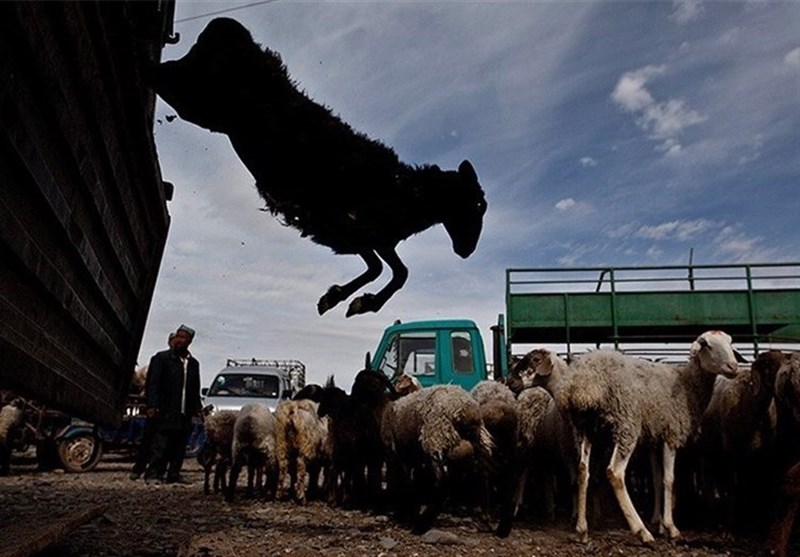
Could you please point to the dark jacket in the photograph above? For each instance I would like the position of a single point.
(164, 383)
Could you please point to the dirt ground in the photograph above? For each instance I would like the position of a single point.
(130, 518)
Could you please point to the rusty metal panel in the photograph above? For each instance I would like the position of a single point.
(83, 218)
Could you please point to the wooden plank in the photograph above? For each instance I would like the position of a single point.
(29, 538)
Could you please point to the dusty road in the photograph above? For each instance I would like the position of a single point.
(134, 519)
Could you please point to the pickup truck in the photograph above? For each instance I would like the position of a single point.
(243, 381)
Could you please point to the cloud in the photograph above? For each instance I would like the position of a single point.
(661, 120)
(565, 204)
(679, 230)
(588, 161)
(793, 58)
(686, 11)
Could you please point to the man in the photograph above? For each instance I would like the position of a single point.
(144, 449)
(173, 397)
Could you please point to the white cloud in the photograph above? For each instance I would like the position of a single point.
(661, 120)
(793, 58)
(686, 11)
(565, 204)
(680, 230)
(588, 161)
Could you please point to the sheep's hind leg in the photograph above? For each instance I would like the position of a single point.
(373, 302)
(581, 526)
(616, 476)
(337, 293)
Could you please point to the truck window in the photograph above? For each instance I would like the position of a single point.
(413, 353)
(462, 352)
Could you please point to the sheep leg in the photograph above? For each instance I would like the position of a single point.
(236, 468)
(300, 486)
(668, 522)
(250, 473)
(585, 449)
(658, 479)
(616, 476)
(337, 293)
(519, 492)
(374, 302)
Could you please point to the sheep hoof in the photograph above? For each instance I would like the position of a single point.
(646, 537)
(331, 298)
(583, 536)
(363, 304)
(674, 533)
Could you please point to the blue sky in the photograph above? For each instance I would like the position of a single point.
(604, 133)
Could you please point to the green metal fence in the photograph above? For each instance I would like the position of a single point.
(755, 303)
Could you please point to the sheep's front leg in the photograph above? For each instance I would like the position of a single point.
(616, 475)
(373, 302)
(337, 293)
(585, 448)
(669, 481)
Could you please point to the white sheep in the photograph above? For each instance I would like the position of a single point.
(426, 431)
(216, 454)
(302, 446)
(11, 416)
(637, 401)
(254, 445)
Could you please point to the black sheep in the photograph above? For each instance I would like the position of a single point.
(337, 186)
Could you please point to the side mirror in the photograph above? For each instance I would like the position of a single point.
(204, 391)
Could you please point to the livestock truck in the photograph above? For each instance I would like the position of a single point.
(650, 311)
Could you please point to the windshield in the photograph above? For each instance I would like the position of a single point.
(254, 385)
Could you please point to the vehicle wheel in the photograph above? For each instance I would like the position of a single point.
(80, 453)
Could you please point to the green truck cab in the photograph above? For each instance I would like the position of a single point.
(448, 351)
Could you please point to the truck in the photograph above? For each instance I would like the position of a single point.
(243, 381)
(654, 312)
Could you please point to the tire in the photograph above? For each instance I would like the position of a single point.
(80, 453)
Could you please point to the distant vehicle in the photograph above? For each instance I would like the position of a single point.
(246, 381)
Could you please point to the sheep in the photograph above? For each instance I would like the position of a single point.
(547, 442)
(356, 438)
(786, 508)
(498, 407)
(787, 402)
(11, 416)
(406, 384)
(216, 453)
(425, 433)
(637, 401)
(735, 437)
(335, 185)
(301, 446)
(254, 445)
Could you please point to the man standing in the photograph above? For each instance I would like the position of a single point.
(173, 397)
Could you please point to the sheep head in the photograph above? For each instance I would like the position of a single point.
(714, 353)
(537, 367)
(466, 206)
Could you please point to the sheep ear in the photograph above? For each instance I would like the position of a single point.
(466, 171)
(368, 362)
(739, 358)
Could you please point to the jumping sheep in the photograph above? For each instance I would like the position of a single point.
(637, 401)
(301, 447)
(254, 445)
(425, 433)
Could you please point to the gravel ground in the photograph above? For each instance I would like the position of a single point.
(135, 519)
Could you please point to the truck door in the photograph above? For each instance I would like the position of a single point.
(458, 348)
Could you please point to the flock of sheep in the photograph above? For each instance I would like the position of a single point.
(525, 444)
(407, 450)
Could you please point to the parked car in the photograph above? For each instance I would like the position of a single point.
(245, 381)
